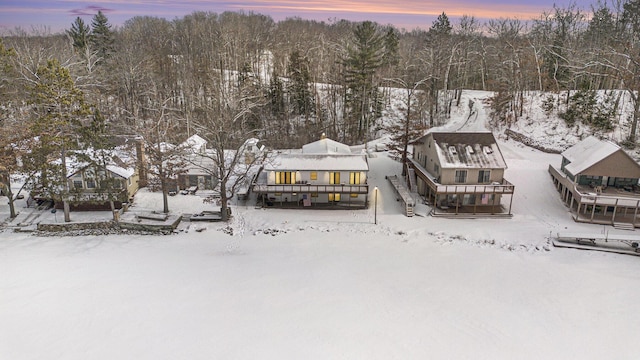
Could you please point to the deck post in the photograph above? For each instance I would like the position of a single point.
(510, 203)
(593, 209)
(615, 210)
(635, 213)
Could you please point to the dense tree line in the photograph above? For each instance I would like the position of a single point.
(233, 75)
(314, 77)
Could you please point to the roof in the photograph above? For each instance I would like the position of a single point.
(326, 146)
(587, 153)
(318, 162)
(468, 150)
(195, 142)
(121, 162)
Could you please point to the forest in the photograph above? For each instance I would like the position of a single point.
(232, 76)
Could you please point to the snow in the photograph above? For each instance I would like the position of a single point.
(303, 162)
(326, 146)
(318, 284)
(587, 153)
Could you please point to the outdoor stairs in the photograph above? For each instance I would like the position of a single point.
(411, 179)
(624, 226)
(402, 195)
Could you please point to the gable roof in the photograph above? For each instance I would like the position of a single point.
(326, 146)
(195, 142)
(467, 150)
(587, 153)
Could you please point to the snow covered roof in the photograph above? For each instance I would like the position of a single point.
(121, 162)
(326, 146)
(587, 153)
(468, 150)
(318, 162)
(125, 173)
(195, 143)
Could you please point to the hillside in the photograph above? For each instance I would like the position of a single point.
(544, 131)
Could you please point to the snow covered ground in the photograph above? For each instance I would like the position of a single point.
(319, 284)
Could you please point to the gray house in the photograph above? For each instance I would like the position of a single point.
(461, 173)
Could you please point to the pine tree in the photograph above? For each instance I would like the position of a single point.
(60, 113)
(80, 35)
(364, 58)
(8, 136)
(101, 35)
(298, 89)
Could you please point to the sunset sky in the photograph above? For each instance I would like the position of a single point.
(58, 15)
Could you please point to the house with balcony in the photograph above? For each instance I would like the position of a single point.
(598, 181)
(325, 173)
(461, 173)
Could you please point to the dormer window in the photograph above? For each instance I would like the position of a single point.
(470, 149)
(452, 150)
(487, 150)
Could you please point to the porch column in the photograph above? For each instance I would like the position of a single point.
(635, 213)
(615, 210)
(593, 209)
(510, 202)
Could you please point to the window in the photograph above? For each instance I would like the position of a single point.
(354, 195)
(285, 177)
(334, 178)
(91, 184)
(484, 176)
(436, 169)
(314, 195)
(77, 184)
(314, 175)
(354, 178)
(461, 176)
(334, 197)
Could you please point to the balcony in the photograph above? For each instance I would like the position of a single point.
(311, 188)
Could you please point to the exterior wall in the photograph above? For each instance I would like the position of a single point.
(448, 176)
(133, 184)
(185, 181)
(617, 164)
(322, 178)
(427, 155)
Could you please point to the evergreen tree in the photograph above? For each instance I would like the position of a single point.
(364, 58)
(80, 35)
(101, 35)
(299, 90)
(60, 114)
(441, 26)
(8, 136)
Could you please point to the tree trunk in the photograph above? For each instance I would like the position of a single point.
(636, 116)
(65, 187)
(223, 202)
(12, 207)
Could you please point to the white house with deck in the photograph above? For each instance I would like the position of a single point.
(324, 173)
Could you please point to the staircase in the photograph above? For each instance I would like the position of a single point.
(624, 226)
(411, 179)
(402, 194)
